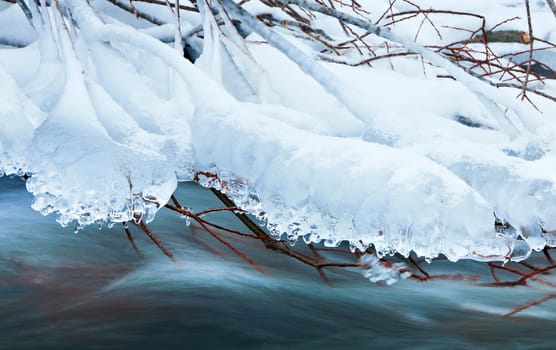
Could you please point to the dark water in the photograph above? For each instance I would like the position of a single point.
(60, 290)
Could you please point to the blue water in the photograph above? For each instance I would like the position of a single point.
(91, 290)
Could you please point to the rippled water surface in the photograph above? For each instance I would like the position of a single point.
(91, 290)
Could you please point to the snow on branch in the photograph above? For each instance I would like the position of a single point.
(529, 121)
(413, 154)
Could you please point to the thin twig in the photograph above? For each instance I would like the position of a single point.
(231, 247)
(135, 12)
(547, 255)
(158, 243)
(130, 238)
(528, 305)
(531, 43)
(166, 3)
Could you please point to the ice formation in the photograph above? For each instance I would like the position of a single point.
(106, 118)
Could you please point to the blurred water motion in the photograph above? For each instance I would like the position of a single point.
(92, 291)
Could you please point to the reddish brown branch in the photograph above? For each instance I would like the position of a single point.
(130, 239)
(231, 247)
(524, 277)
(205, 225)
(175, 201)
(450, 277)
(427, 277)
(531, 304)
(157, 242)
(217, 210)
(537, 272)
(547, 255)
(418, 267)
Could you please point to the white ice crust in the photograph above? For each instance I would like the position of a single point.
(106, 119)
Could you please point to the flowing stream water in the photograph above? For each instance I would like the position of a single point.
(91, 290)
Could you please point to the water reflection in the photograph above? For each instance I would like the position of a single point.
(92, 291)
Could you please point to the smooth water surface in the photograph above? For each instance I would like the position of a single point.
(91, 290)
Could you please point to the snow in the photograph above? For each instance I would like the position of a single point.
(106, 118)
(330, 169)
(15, 29)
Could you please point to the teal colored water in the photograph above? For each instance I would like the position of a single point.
(60, 290)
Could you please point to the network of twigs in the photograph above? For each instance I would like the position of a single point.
(507, 274)
(474, 54)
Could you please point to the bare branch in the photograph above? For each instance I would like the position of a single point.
(531, 43)
(131, 9)
(530, 304)
(130, 238)
(166, 3)
(158, 243)
(473, 84)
